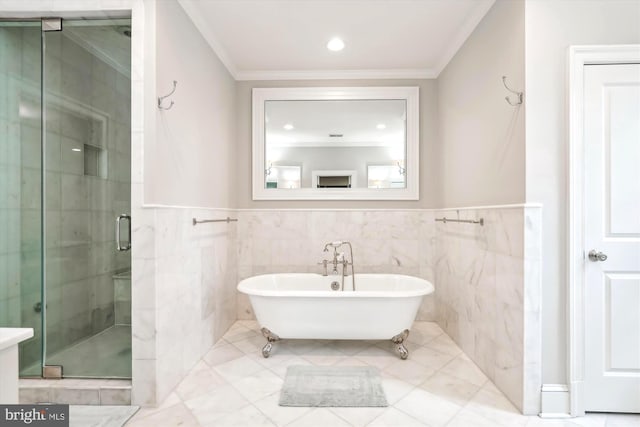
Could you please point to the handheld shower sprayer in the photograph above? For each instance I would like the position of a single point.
(335, 245)
(340, 258)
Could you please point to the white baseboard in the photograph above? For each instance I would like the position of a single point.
(555, 401)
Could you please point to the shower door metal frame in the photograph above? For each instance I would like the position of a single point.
(52, 24)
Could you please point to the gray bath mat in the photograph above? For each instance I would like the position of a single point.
(352, 386)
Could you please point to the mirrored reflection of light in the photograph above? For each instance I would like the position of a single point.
(290, 175)
(27, 111)
(274, 154)
(381, 126)
(377, 173)
(386, 176)
(76, 149)
(335, 44)
(396, 151)
(288, 126)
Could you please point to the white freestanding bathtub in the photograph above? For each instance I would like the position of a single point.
(303, 305)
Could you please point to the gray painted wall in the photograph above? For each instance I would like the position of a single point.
(190, 162)
(551, 27)
(480, 152)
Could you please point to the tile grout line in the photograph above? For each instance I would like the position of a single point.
(341, 355)
(463, 407)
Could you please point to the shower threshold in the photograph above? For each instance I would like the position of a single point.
(106, 354)
(97, 371)
(75, 391)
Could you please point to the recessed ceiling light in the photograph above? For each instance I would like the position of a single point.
(76, 149)
(381, 126)
(335, 44)
(288, 126)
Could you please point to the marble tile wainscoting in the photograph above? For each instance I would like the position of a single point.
(184, 292)
(384, 241)
(487, 278)
(487, 282)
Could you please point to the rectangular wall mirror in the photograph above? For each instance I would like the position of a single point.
(353, 143)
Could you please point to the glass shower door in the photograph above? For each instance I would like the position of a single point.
(86, 69)
(20, 186)
(65, 161)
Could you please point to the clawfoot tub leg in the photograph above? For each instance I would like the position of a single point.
(271, 338)
(398, 341)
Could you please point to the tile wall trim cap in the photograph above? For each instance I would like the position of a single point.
(487, 207)
(509, 206)
(160, 206)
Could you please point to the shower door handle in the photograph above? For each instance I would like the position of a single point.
(119, 246)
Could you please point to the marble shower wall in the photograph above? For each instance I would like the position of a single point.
(488, 295)
(384, 241)
(185, 294)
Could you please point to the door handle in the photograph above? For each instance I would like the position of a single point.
(597, 256)
(119, 246)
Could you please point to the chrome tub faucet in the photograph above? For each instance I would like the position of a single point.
(339, 259)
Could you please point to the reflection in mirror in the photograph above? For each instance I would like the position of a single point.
(280, 176)
(335, 143)
(386, 176)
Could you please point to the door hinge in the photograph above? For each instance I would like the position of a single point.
(52, 371)
(51, 24)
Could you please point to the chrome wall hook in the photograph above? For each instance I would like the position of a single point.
(162, 98)
(518, 94)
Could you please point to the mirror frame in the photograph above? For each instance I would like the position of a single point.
(412, 152)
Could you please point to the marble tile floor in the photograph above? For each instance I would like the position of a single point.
(233, 385)
(99, 416)
(104, 355)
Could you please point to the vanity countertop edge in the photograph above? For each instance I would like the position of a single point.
(13, 336)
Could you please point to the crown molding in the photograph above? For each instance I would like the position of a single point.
(192, 9)
(336, 74)
(463, 34)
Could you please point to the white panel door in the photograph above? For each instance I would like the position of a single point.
(612, 230)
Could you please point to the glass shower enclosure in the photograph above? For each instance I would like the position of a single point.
(65, 191)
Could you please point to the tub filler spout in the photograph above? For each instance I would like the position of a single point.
(340, 259)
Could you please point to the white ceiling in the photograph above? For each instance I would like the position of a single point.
(281, 39)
